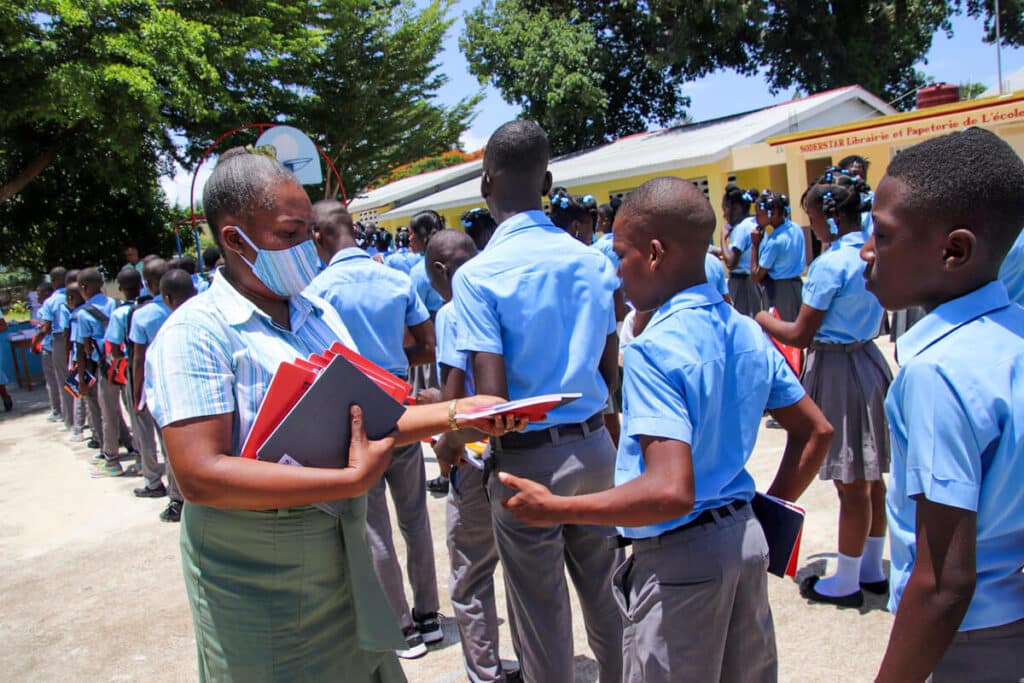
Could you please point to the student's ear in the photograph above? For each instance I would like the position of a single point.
(657, 254)
(485, 185)
(959, 248)
(545, 189)
(232, 240)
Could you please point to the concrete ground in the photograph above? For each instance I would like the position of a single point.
(91, 586)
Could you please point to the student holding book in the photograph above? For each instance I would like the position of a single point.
(279, 589)
(694, 593)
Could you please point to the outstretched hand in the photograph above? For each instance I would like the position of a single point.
(499, 425)
(532, 503)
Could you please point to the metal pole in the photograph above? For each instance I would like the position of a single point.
(999, 54)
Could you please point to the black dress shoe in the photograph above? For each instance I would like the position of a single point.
(172, 513)
(851, 600)
(438, 485)
(146, 492)
(876, 587)
(93, 443)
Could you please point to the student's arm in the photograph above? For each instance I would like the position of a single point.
(489, 374)
(422, 349)
(664, 491)
(937, 595)
(609, 366)
(757, 272)
(423, 422)
(619, 301)
(809, 436)
(799, 333)
(730, 256)
(138, 372)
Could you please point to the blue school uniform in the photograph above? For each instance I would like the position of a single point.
(199, 283)
(89, 327)
(148, 320)
(1012, 271)
(542, 300)
(782, 252)
(376, 304)
(835, 284)
(50, 312)
(701, 373)
(739, 240)
(956, 415)
(421, 283)
(604, 245)
(714, 271)
(403, 259)
(447, 348)
(117, 330)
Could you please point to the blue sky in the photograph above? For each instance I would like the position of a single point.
(960, 59)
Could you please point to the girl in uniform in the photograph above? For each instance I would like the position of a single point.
(778, 259)
(747, 295)
(848, 378)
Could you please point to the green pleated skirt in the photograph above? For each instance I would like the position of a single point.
(273, 598)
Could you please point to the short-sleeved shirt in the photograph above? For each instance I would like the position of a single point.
(148, 320)
(782, 252)
(117, 330)
(604, 245)
(703, 374)
(427, 294)
(50, 312)
(218, 353)
(403, 260)
(375, 302)
(543, 301)
(739, 240)
(70, 320)
(835, 284)
(956, 418)
(714, 271)
(91, 327)
(447, 351)
(1012, 271)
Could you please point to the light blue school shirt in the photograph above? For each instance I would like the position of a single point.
(376, 304)
(50, 312)
(739, 240)
(403, 260)
(148, 320)
(199, 283)
(89, 327)
(421, 283)
(956, 418)
(447, 349)
(604, 245)
(217, 354)
(714, 271)
(701, 373)
(1012, 271)
(835, 284)
(782, 252)
(117, 329)
(542, 300)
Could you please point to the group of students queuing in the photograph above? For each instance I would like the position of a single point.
(93, 352)
(651, 518)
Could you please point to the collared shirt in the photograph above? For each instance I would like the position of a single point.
(427, 294)
(50, 312)
(403, 260)
(604, 245)
(148, 320)
(91, 327)
(542, 300)
(956, 418)
(739, 240)
(782, 252)
(714, 271)
(835, 284)
(375, 302)
(447, 350)
(1012, 270)
(703, 374)
(117, 331)
(218, 352)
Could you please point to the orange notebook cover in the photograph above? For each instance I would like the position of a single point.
(793, 355)
(289, 384)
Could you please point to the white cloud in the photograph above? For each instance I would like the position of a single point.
(177, 188)
(471, 141)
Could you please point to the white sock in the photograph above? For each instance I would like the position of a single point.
(871, 561)
(845, 581)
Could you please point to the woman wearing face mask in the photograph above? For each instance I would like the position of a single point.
(279, 590)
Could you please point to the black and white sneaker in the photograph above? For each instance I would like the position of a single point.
(428, 626)
(415, 646)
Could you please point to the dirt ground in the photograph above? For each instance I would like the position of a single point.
(91, 586)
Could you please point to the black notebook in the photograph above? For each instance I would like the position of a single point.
(782, 522)
(316, 432)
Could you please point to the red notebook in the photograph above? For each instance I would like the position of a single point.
(289, 384)
(794, 356)
(394, 387)
(533, 408)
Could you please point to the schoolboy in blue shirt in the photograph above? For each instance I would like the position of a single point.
(535, 311)
(696, 383)
(44, 339)
(377, 305)
(52, 315)
(945, 216)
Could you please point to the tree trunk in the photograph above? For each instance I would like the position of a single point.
(18, 183)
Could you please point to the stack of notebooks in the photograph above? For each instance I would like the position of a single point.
(783, 524)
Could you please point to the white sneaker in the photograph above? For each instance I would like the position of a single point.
(53, 417)
(416, 646)
(76, 435)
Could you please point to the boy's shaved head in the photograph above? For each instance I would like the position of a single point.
(176, 286)
(519, 149)
(152, 272)
(57, 276)
(331, 216)
(451, 246)
(672, 210)
(129, 278)
(91, 278)
(71, 275)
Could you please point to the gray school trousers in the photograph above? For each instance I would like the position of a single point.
(535, 560)
(104, 402)
(985, 655)
(406, 478)
(696, 605)
(60, 368)
(147, 436)
(53, 385)
(474, 558)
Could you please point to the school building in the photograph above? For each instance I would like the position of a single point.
(780, 147)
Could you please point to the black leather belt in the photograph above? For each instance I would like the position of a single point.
(529, 440)
(706, 517)
(739, 276)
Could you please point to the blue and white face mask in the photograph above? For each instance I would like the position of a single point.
(286, 272)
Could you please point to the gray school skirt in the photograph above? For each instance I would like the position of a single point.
(747, 296)
(849, 382)
(786, 296)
